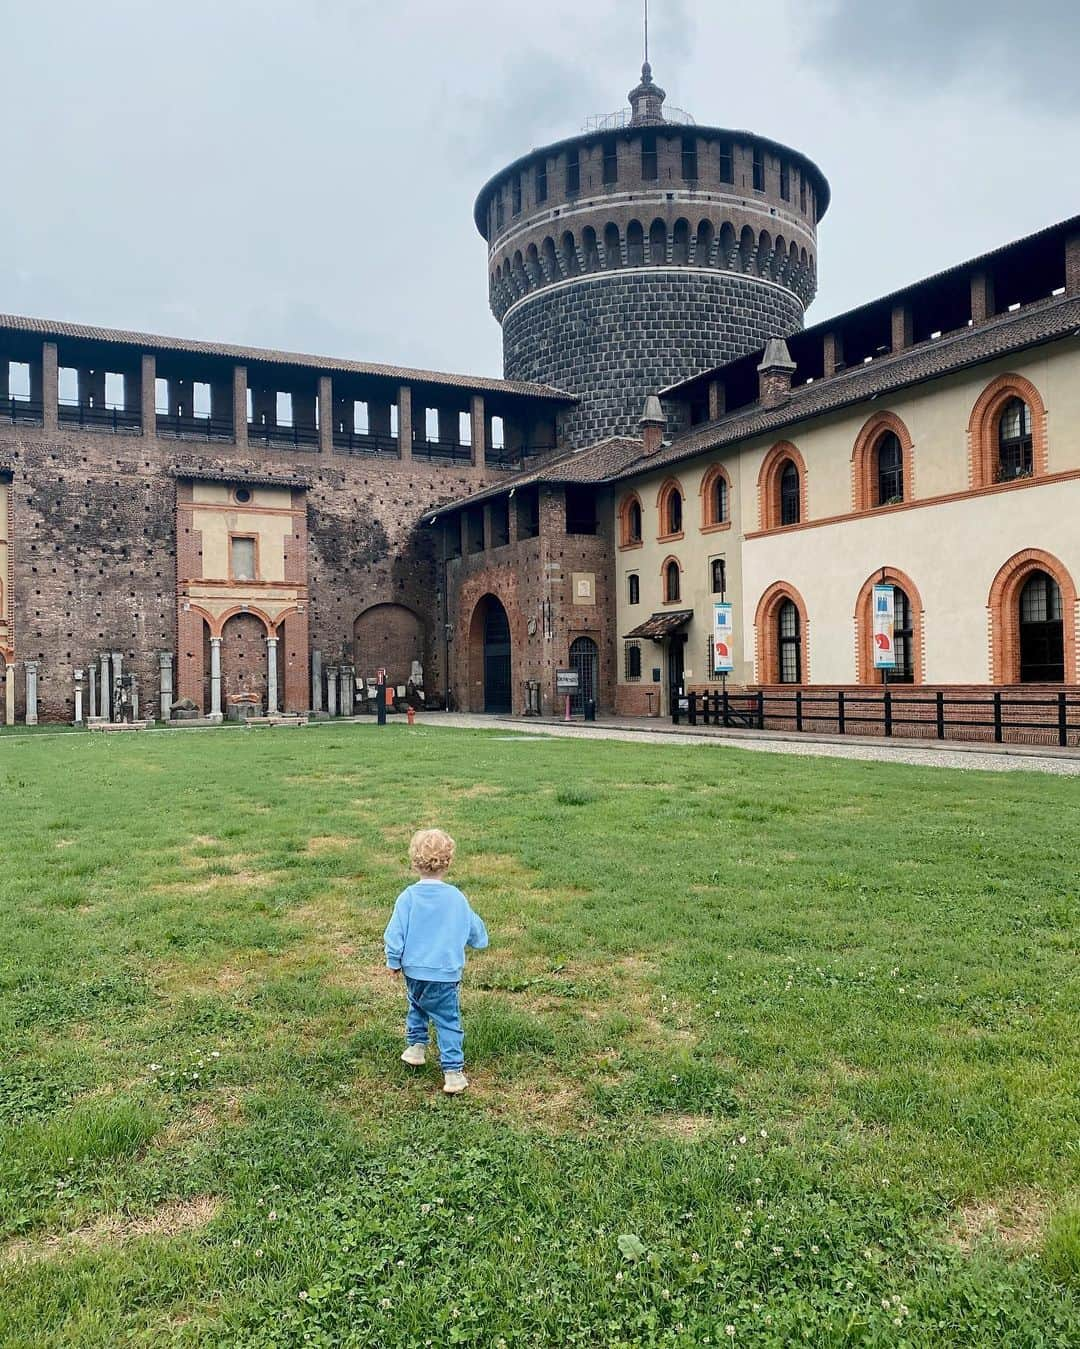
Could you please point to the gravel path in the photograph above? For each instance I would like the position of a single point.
(1016, 760)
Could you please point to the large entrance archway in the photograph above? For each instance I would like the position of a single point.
(243, 660)
(390, 637)
(490, 666)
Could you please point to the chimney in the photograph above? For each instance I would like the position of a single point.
(653, 424)
(774, 373)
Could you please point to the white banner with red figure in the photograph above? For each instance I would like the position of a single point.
(723, 638)
(884, 625)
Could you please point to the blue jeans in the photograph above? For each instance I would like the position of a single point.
(438, 1003)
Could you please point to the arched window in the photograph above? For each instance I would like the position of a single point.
(630, 521)
(669, 504)
(790, 506)
(672, 586)
(1015, 445)
(1007, 432)
(788, 644)
(890, 469)
(907, 630)
(633, 586)
(658, 239)
(612, 246)
(635, 244)
(715, 498)
(1042, 631)
(720, 500)
(782, 487)
(674, 512)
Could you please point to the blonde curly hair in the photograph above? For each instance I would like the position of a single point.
(431, 851)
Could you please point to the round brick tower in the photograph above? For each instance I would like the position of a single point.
(644, 251)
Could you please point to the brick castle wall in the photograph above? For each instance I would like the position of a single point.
(95, 553)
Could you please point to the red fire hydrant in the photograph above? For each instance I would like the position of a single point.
(411, 715)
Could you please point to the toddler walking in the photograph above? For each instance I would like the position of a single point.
(425, 940)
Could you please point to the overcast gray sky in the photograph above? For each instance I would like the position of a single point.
(301, 173)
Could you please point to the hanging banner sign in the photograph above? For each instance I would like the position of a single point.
(884, 623)
(723, 638)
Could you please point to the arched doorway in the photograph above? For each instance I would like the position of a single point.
(585, 659)
(243, 660)
(491, 688)
(390, 637)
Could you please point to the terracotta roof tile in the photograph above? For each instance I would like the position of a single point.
(599, 463)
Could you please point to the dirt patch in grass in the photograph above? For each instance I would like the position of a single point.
(1016, 1220)
(167, 1220)
(328, 843)
(477, 789)
(686, 1127)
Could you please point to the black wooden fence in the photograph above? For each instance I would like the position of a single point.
(994, 715)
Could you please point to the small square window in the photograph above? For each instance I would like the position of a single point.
(242, 559)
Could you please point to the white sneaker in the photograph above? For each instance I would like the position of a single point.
(454, 1083)
(415, 1056)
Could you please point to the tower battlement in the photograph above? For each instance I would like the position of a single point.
(634, 255)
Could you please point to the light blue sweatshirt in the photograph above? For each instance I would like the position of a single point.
(428, 932)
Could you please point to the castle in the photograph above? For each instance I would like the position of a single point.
(220, 527)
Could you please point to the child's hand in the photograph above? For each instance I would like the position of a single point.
(391, 972)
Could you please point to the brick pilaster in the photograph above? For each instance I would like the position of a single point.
(404, 423)
(326, 415)
(1072, 265)
(982, 297)
(148, 394)
(902, 327)
(479, 432)
(833, 354)
(239, 401)
(50, 387)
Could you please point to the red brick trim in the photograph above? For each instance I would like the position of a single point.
(768, 485)
(945, 499)
(766, 658)
(663, 579)
(864, 627)
(983, 427)
(625, 541)
(668, 486)
(864, 460)
(1002, 609)
(708, 520)
(217, 625)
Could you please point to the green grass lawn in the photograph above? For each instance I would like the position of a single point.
(765, 1050)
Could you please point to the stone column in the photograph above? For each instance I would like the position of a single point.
(215, 679)
(93, 691)
(78, 697)
(50, 388)
(343, 691)
(31, 667)
(479, 430)
(404, 422)
(166, 683)
(239, 416)
(316, 681)
(331, 689)
(326, 415)
(9, 695)
(104, 691)
(134, 698)
(271, 677)
(117, 671)
(148, 395)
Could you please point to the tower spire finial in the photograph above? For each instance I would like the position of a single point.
(646, 32)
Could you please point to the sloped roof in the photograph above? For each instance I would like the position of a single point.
(1047, 321)
(662, 625)
(257, 478)
(51, 328)
(602, 462)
